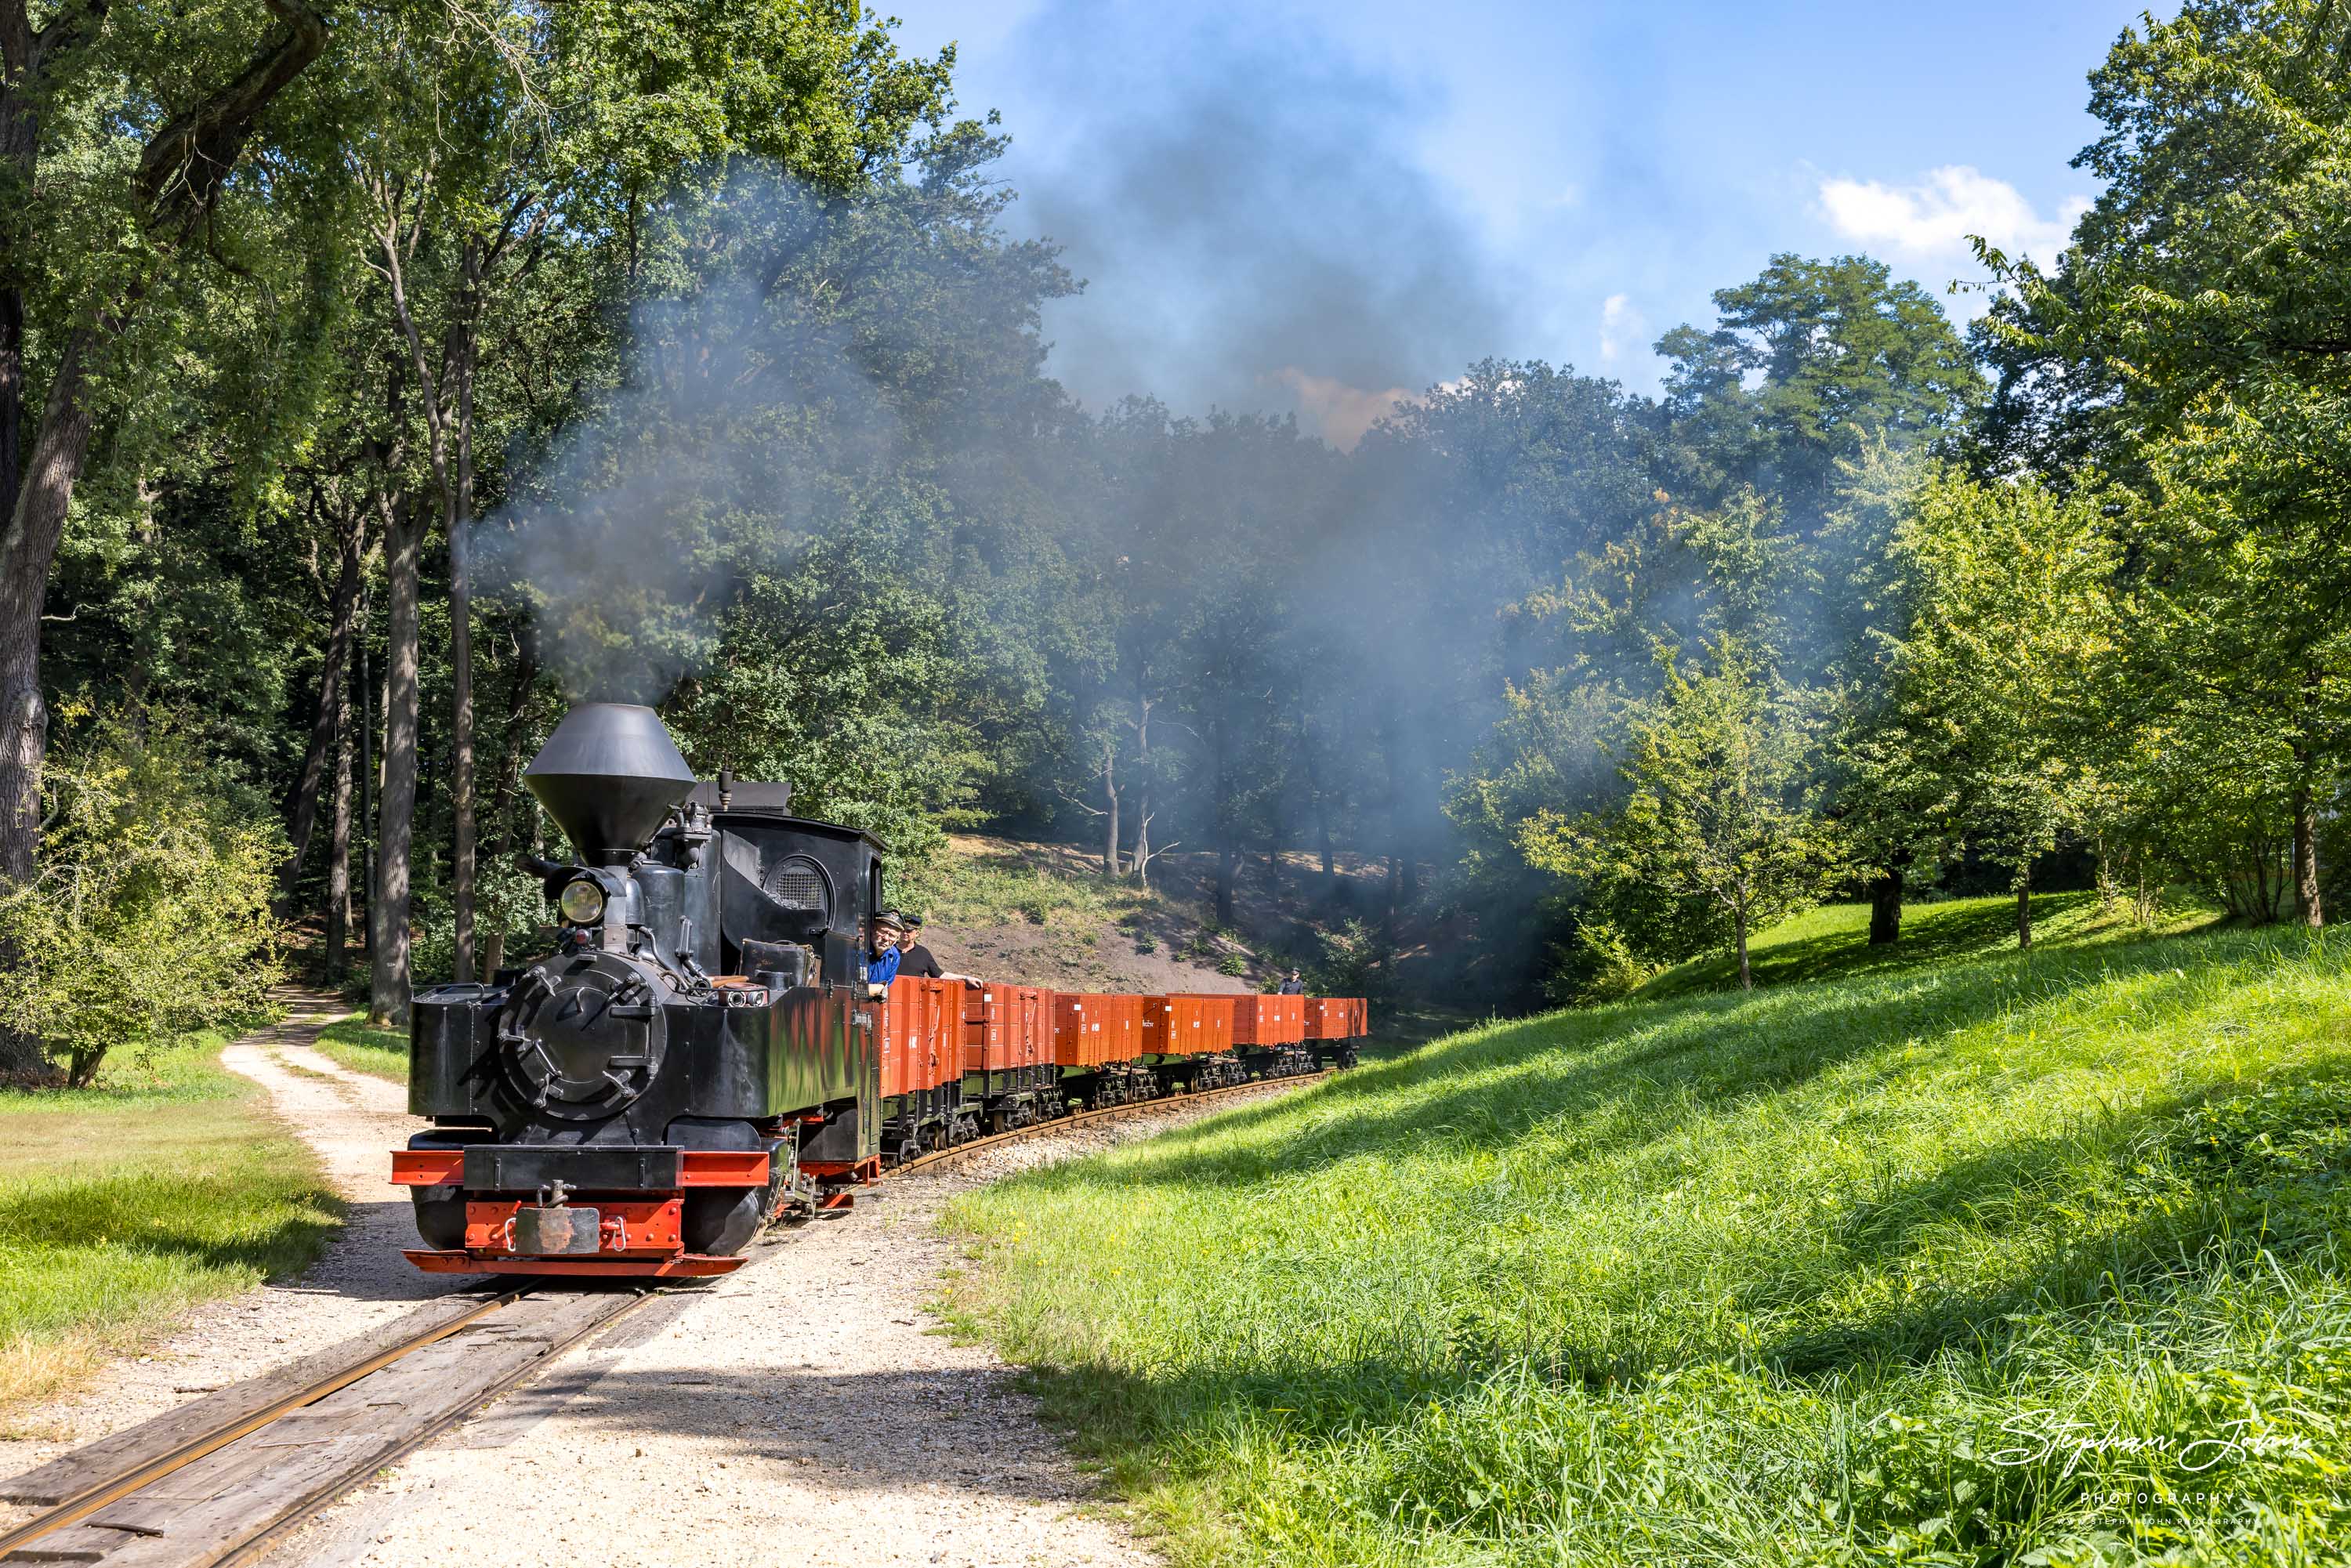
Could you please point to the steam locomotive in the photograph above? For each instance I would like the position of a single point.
(700, 1054)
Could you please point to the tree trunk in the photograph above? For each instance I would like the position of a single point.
(342, 613)
(461, 661)
(368, 704)
(1110, 793)
(1141, 860)
(1746, 974)
(339, 841)
(2024, 909)
(1223, 804)
(458, 518)
(2305, 845)
(29, 548)
(389, 983)
(1886, 904)
(497, 814)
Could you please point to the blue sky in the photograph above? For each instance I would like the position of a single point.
(1304, 205)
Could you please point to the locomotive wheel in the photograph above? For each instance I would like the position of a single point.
(721, 1220)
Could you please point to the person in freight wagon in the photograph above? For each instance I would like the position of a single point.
(915, 959)
(882, 963)
(1293, 985)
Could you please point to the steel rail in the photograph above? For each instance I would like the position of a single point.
(98, 1494)
(73, 1510)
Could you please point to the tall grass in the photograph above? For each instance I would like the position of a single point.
(2035, 1259)
(166, 1184)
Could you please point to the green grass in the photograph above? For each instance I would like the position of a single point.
(165, 1185)
(1832, 942)
(381, 1052)
(1947, 1265)
(964, 891)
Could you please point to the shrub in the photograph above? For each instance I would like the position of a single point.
(1610, 969)
(1233, 963)
(149, 918)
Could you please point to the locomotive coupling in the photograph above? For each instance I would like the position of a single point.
(552, 1226)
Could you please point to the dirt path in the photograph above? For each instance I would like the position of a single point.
(805, 1409)
(353, 1120)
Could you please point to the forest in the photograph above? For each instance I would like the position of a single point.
(377, 380)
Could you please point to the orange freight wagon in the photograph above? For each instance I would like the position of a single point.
(1264, 1020)
(1007, 1028)
(1335, 1018)
(1094, 1029)
(1188, 1024)
(922, 1036)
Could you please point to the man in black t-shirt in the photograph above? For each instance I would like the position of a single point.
(915, 959)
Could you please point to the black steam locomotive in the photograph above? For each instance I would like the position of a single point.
(700, 1053)
(697, 1053)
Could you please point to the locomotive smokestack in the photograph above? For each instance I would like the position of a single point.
(608, 776)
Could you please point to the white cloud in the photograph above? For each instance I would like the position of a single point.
(1932, 219)
(1623, 327)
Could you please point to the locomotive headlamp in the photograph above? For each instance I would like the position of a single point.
(582, 902)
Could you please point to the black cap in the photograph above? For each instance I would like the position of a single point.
(914, 923)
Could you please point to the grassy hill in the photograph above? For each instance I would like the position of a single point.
(2032, 1259)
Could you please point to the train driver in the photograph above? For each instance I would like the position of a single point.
(881, 962)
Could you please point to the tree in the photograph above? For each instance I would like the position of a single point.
(2012, 614)
(150, 916)
(584, 143)
(1723, 810)
(182, 92)
(2194, 343)
(1805, 363)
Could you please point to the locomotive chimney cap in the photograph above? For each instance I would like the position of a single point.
(608, 776)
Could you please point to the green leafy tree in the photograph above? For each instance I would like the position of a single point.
(1803, 365)
(150, 916)
(1722, 813)
(1994, 678)
(2195, 343)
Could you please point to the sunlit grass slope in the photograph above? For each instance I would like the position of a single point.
(2035, 1260)
(1832, 942)
(165, 1185)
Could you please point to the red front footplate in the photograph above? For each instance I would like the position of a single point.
(684, 1264)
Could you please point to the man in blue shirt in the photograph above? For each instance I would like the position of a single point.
(882, 961)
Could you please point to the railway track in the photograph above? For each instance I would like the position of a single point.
(217, 1480)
